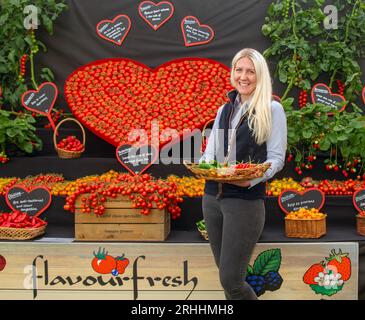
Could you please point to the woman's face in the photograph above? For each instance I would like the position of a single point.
(244, 77)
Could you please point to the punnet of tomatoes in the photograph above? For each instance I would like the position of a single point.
(143, 191)
(340, 188)
(71, 143)
(275, 187)
(19, 219)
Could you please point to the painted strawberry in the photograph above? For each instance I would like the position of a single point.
(341, 262)
(122, 263)
(313, 272)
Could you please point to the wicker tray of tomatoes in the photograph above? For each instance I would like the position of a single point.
(20, 226)
(223, 172)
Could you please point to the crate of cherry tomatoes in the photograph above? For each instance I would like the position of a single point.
(305, 223)
(216, 171)
(69, 147)
(20, 226)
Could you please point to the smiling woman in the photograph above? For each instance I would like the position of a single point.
(252, 128)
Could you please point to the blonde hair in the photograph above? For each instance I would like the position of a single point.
(259, 109)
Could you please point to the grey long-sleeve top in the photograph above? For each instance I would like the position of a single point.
(276, 144)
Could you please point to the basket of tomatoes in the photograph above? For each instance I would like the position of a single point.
(305, 223)
(20, 226)
(216, 171)
(70, 147)
(360, 223)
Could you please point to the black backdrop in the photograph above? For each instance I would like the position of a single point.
(236, 23)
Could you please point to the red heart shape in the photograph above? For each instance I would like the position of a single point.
(33, 201)
(41, 100)
(128, 156)
(114, 30)
(158, 15)
(290, 200)
(195, 33)
(319, 92)
(114, 96)
(358, 200)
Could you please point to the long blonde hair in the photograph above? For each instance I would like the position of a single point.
(259, 109)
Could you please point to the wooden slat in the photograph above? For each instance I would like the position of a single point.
(115, 231)
(121, 215)
(118, 202)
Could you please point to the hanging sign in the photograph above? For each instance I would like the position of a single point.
(114, 30)
(321, 93)
(156, 14)
(41, 100)
(195, 33)
(292, 200)
(32, 201)
(136, 159)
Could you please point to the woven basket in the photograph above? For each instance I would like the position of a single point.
(21, 233)
(299, 228)
(65, 154)
(204, 234)
(360, 225)
(228, 173)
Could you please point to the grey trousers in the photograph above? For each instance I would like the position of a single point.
(234, 226)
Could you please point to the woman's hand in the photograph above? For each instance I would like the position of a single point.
(240, 183)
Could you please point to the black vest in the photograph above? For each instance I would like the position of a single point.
(246, 150)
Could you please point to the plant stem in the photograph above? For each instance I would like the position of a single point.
(290, 86)
(32, 71)
(332, 78)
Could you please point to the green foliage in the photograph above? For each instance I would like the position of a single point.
(16, 40)
(341, 135)
(18, 131)
(304, 49)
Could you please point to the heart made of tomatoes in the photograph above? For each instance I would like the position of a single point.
(112, 97)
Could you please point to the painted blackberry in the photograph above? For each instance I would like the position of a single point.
(273, 281)
(257, 283)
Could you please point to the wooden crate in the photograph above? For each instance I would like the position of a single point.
(121, 222)
(299, 228)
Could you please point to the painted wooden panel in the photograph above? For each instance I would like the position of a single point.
(157, 271)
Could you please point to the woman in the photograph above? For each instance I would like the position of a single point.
(251, 127)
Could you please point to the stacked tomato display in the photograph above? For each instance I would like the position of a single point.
(113, 97)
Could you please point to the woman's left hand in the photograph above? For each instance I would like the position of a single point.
(240, 183)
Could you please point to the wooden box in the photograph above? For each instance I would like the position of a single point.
(299, 228)
(121, 222)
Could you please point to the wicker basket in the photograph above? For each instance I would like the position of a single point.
(299, 228)
(360, 225)
(65, 154)
(228, 173)
(21, 233)
(204, 234)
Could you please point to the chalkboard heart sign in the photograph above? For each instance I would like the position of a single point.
(114, 30)
(358, 200)
(156, 14)
(321, 93)
(41, 100)
(292, 200)
(136, 159)
(32, 201)
(195, 33)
